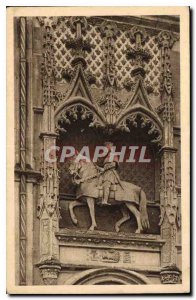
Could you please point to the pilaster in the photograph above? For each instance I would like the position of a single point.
(168, 192)
(48, 208)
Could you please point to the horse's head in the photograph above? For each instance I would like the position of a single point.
(80, 167)
(75, 169)
(73, 166)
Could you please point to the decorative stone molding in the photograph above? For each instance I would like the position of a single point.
(115, 276)
(170, 275)
(109, 239)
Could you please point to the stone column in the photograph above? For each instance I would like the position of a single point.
(23, 124)
(25, 174)
(48, 207)
(168, 194)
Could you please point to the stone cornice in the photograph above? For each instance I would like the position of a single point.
(153, 23)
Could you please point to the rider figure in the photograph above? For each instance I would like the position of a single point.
(110, 176)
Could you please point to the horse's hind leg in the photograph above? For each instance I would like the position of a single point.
(126, 217)
(136, 213)
(71, 210)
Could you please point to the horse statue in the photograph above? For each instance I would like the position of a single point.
(89, 191)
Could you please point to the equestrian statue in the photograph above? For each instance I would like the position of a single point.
(102, 186)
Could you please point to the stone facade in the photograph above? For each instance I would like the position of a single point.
(81, 79)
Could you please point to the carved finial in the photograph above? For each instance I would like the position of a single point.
(138, 36)
(78, 25)
(109, 29)
(166, 39)
(140, 56)
(78, 44)
(109, 32)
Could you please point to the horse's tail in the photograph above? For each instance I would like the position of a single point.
(143, 210)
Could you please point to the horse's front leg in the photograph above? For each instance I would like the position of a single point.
(72, 205)
(91, 206)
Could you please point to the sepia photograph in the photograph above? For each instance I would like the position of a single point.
(98, 159)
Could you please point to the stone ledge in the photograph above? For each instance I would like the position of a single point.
(102, 237)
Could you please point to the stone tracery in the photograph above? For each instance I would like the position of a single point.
(85, 95)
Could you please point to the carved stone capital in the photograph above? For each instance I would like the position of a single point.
(170, 275)
(50, 273)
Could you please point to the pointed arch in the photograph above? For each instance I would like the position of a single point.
(148, 119)
(73, 105)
